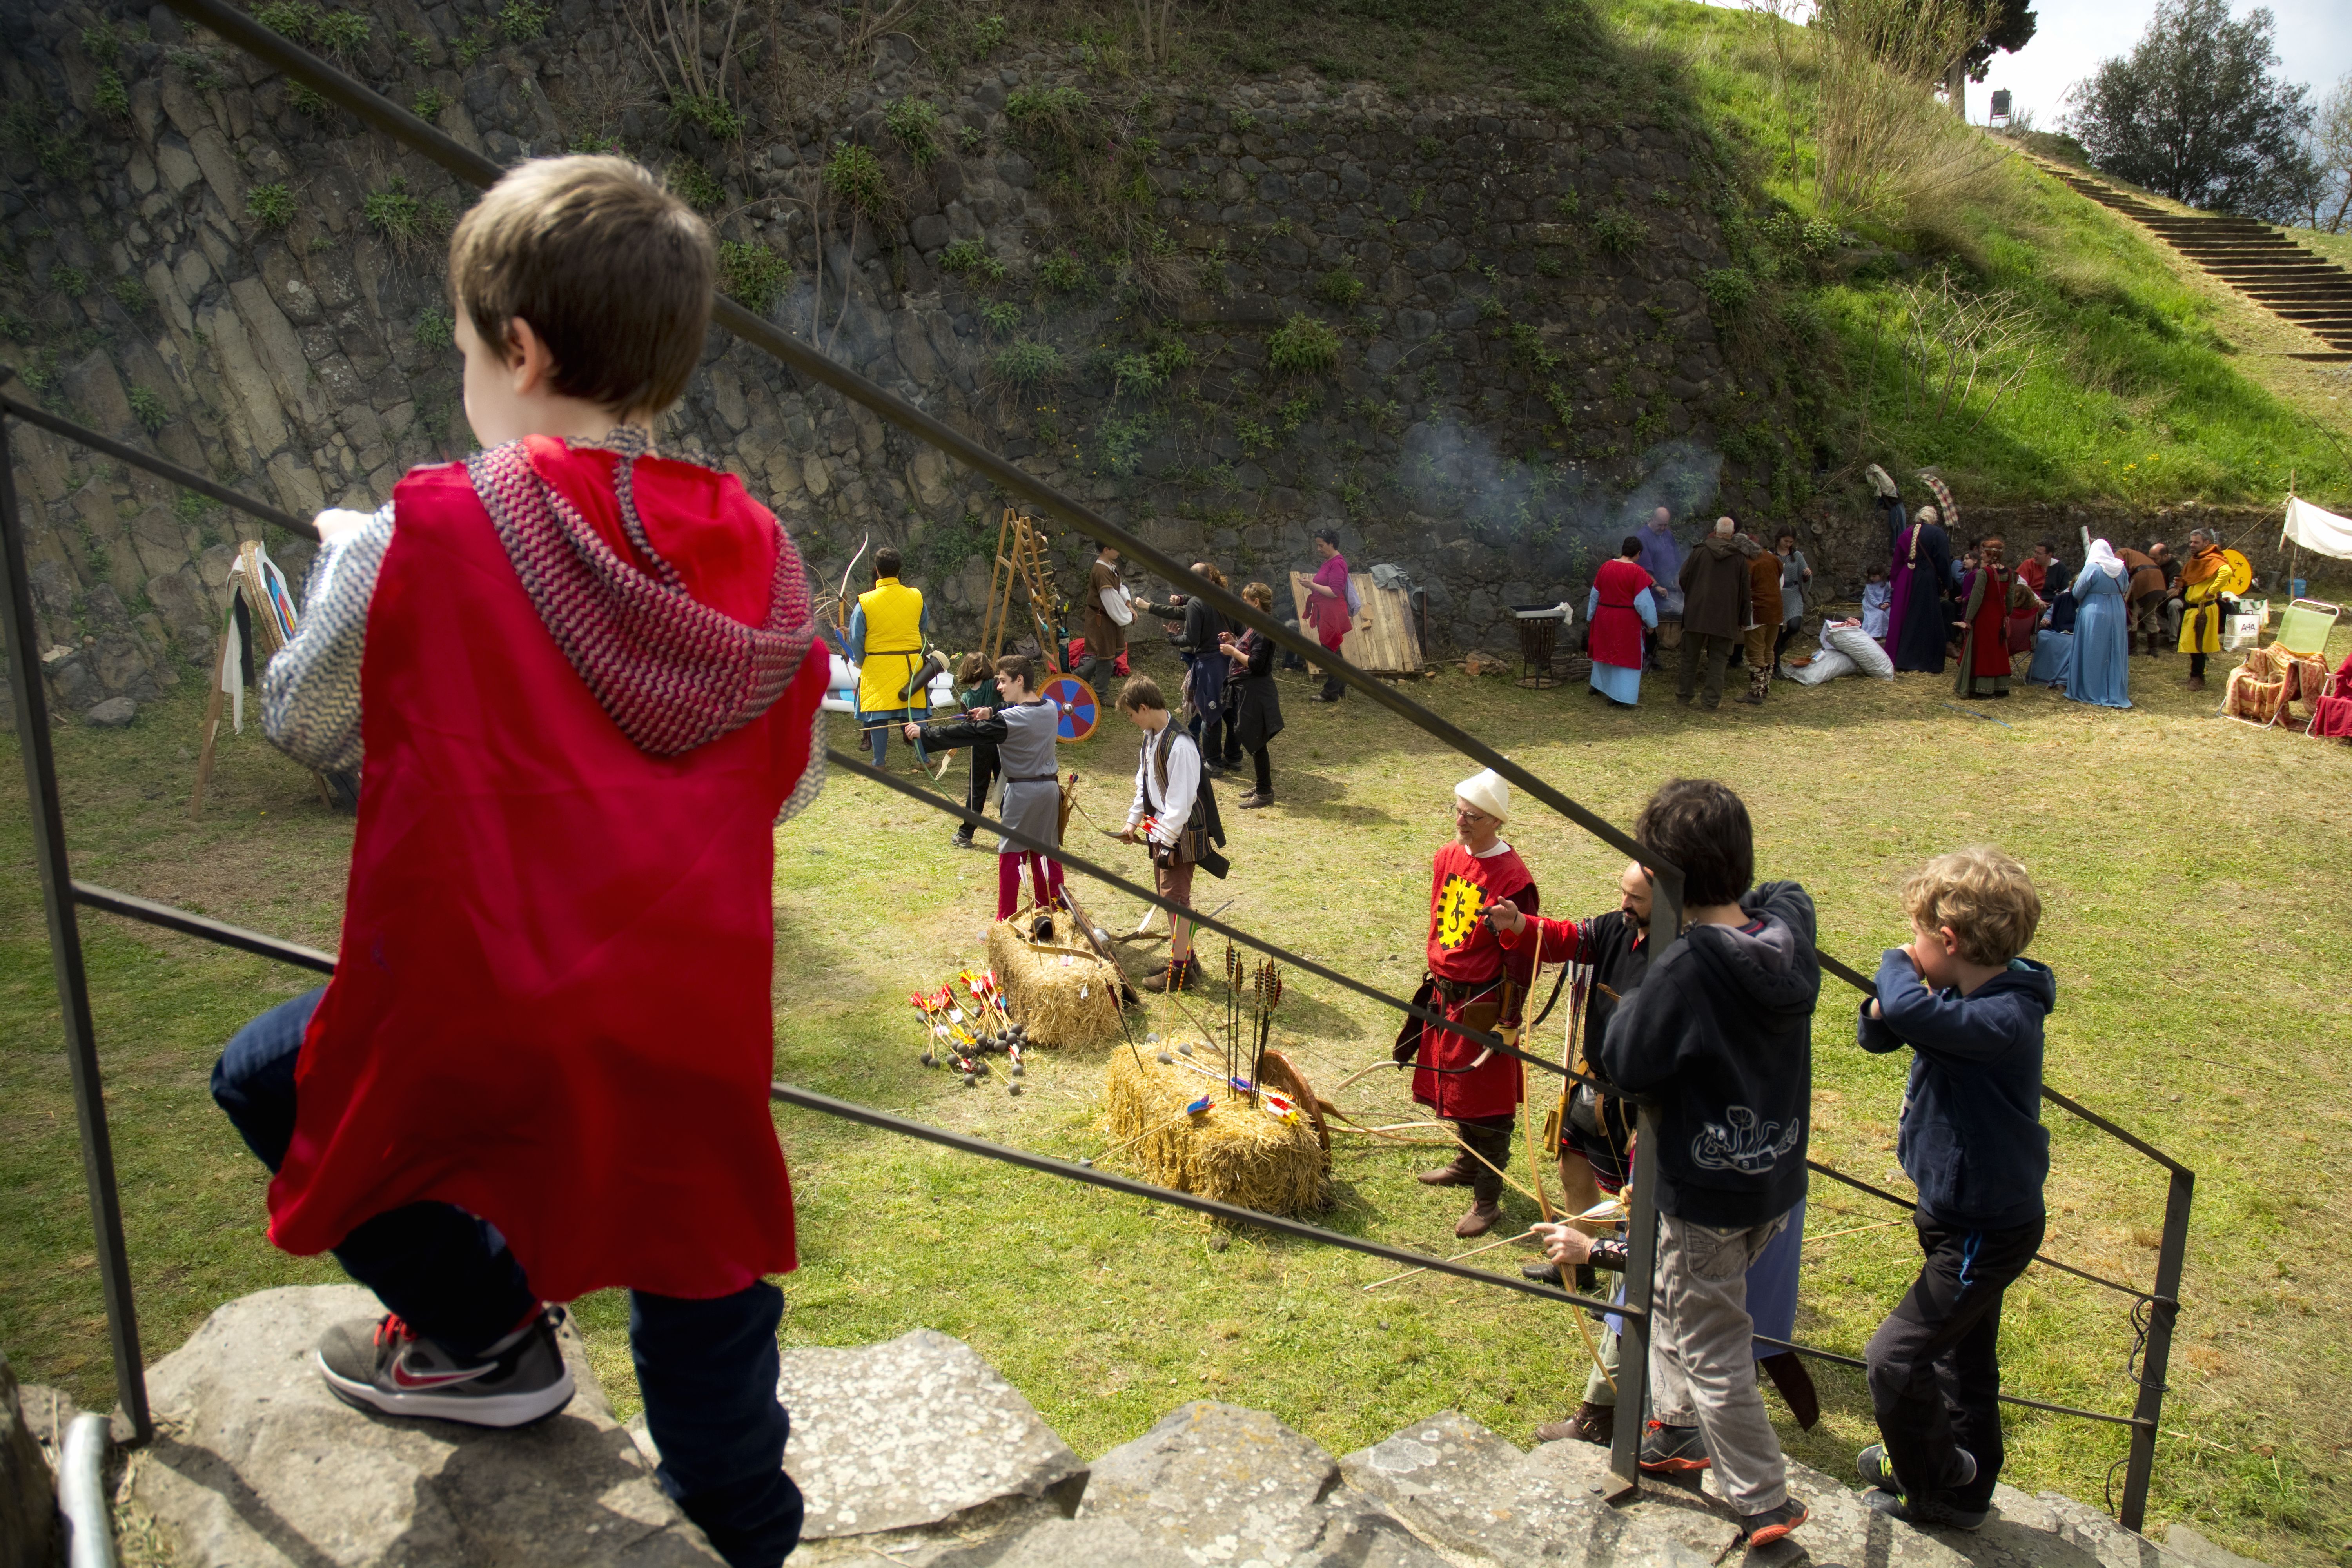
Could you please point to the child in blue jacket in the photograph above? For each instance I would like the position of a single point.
(1972, 1141)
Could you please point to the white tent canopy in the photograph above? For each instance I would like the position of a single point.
(2316, 530)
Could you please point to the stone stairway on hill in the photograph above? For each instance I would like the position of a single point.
(2298, 286)
(919, 1453)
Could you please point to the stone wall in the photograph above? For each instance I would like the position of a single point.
(1525, 361)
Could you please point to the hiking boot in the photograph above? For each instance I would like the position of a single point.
(1479, 1221)
(1541, 1271)
(1927, 1511)
(962, 839)
(384, 1365)
(2196, 683)
(1752, 699)
(1873, 1464)
(1773, 1525)
(1460, 1174)
(1255, 800)
(1672, 1450)
(1590, 1424)
(1176, 974)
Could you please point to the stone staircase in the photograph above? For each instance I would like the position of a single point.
(919, 1453)
(2298, 286)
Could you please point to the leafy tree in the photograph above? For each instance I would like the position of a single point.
(2197, 113)
(2331, 151)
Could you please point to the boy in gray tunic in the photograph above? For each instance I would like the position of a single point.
(1023, 728)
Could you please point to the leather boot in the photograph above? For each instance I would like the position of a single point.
(1479, 1221)
(1590, 1424)
(1176, 974)
(1460, 1174)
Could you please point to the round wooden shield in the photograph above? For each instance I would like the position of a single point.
(1077, 700)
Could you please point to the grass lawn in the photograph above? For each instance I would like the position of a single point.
(2196, 906)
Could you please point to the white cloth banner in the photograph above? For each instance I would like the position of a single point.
(2316, 530)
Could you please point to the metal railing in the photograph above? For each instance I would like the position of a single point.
(61, 894)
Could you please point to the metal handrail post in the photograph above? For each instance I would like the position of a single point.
(48, 816)
(1642, 1242)
(2163, 1312)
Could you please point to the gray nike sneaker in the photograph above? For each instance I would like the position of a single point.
(384, 1365)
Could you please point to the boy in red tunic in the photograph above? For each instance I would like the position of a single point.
(1477, 984)
(586, 685)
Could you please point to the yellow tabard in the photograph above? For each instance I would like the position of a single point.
(894, 647)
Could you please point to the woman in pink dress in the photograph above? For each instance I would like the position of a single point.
(1330, 605)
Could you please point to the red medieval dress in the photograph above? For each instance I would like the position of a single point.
(1984, 646)
(551, 1006)
(1616, 623)
(1468, 965)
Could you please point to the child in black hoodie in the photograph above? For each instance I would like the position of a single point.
(1972, 1141)
(1719, 1037)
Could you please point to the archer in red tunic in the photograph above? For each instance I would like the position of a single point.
(583, 682)
(1477, 983)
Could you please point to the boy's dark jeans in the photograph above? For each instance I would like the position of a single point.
(707, 1369)
(1934, 1371)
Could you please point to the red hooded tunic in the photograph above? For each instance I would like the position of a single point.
(551, 1005)
(1463, 949)
(1616, 623)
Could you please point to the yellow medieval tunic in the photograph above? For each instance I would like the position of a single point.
(891, 615)
(2203, 582)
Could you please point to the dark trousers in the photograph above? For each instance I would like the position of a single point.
(985, 766)
(1489, 1138)
(1265, 765)
(1787, 635)
(707, 1369)
(880, 727)
(1935, 1371)
(2195, 667)
(1700, 649)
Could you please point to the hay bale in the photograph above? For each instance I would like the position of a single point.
(1066, 995)
(1235, 1153)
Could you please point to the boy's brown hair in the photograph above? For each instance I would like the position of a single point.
(1984, 894)
(971, 669)
(1140, 692)
(1703, 827)
(1017, 666)
(614, 272)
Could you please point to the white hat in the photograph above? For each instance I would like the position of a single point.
(1489, 792)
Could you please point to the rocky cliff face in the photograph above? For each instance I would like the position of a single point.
(1475, 338)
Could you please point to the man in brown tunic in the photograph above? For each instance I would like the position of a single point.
(1109, 609)
(1716, 592)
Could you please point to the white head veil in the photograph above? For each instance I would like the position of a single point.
(2102, 557)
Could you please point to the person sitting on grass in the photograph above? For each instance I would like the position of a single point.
(587, 679)
(1720, 1031)
(1023, 728)
(1971, 1139)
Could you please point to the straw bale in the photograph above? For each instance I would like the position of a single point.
(1066, 995)
(1234, 1151)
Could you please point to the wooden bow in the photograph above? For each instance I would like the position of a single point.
(1550, 1138)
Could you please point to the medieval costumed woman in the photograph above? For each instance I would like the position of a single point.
(1916, 633)
(1989, 595)
(1250, 697)
(2102, 669)
(1620, 607)
(2053, 643)
(1024, 729)
(1473, 982)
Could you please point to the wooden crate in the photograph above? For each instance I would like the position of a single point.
(1389, 645)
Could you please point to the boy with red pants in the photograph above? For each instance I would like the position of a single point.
(585, 683)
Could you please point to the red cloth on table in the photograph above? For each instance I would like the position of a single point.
(1465, 949)
(1616, 623)
(552, 1000)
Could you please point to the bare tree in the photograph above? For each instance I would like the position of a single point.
(1157, 20)
(673, 35)
(1960, 349)
(2331, 151)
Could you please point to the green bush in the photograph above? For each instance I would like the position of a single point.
(1138, 375)
(1619, 231)
(342, 34)
(149, 410)
(1341, 286)
(970, 139)
(308, 104)
(394, 214)
(1002, 318)
(70, 282)
(1567, 205)
(753, 273)
(131, 294)
(101, 42)
(1728, 288)
(428, 104)
(1062, 272)
(110, 96)
(912, 120)
(1242, 122)
(1041, 110)
(1303, 346)
(988, 35)
(293, 18)
(856, 175)
(1027, 365)
(970, 256)
(432, 329)
(270, 205)
(524, 19)
(695, 186)
(719, 119)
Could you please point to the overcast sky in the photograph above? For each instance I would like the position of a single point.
(2315, 46)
